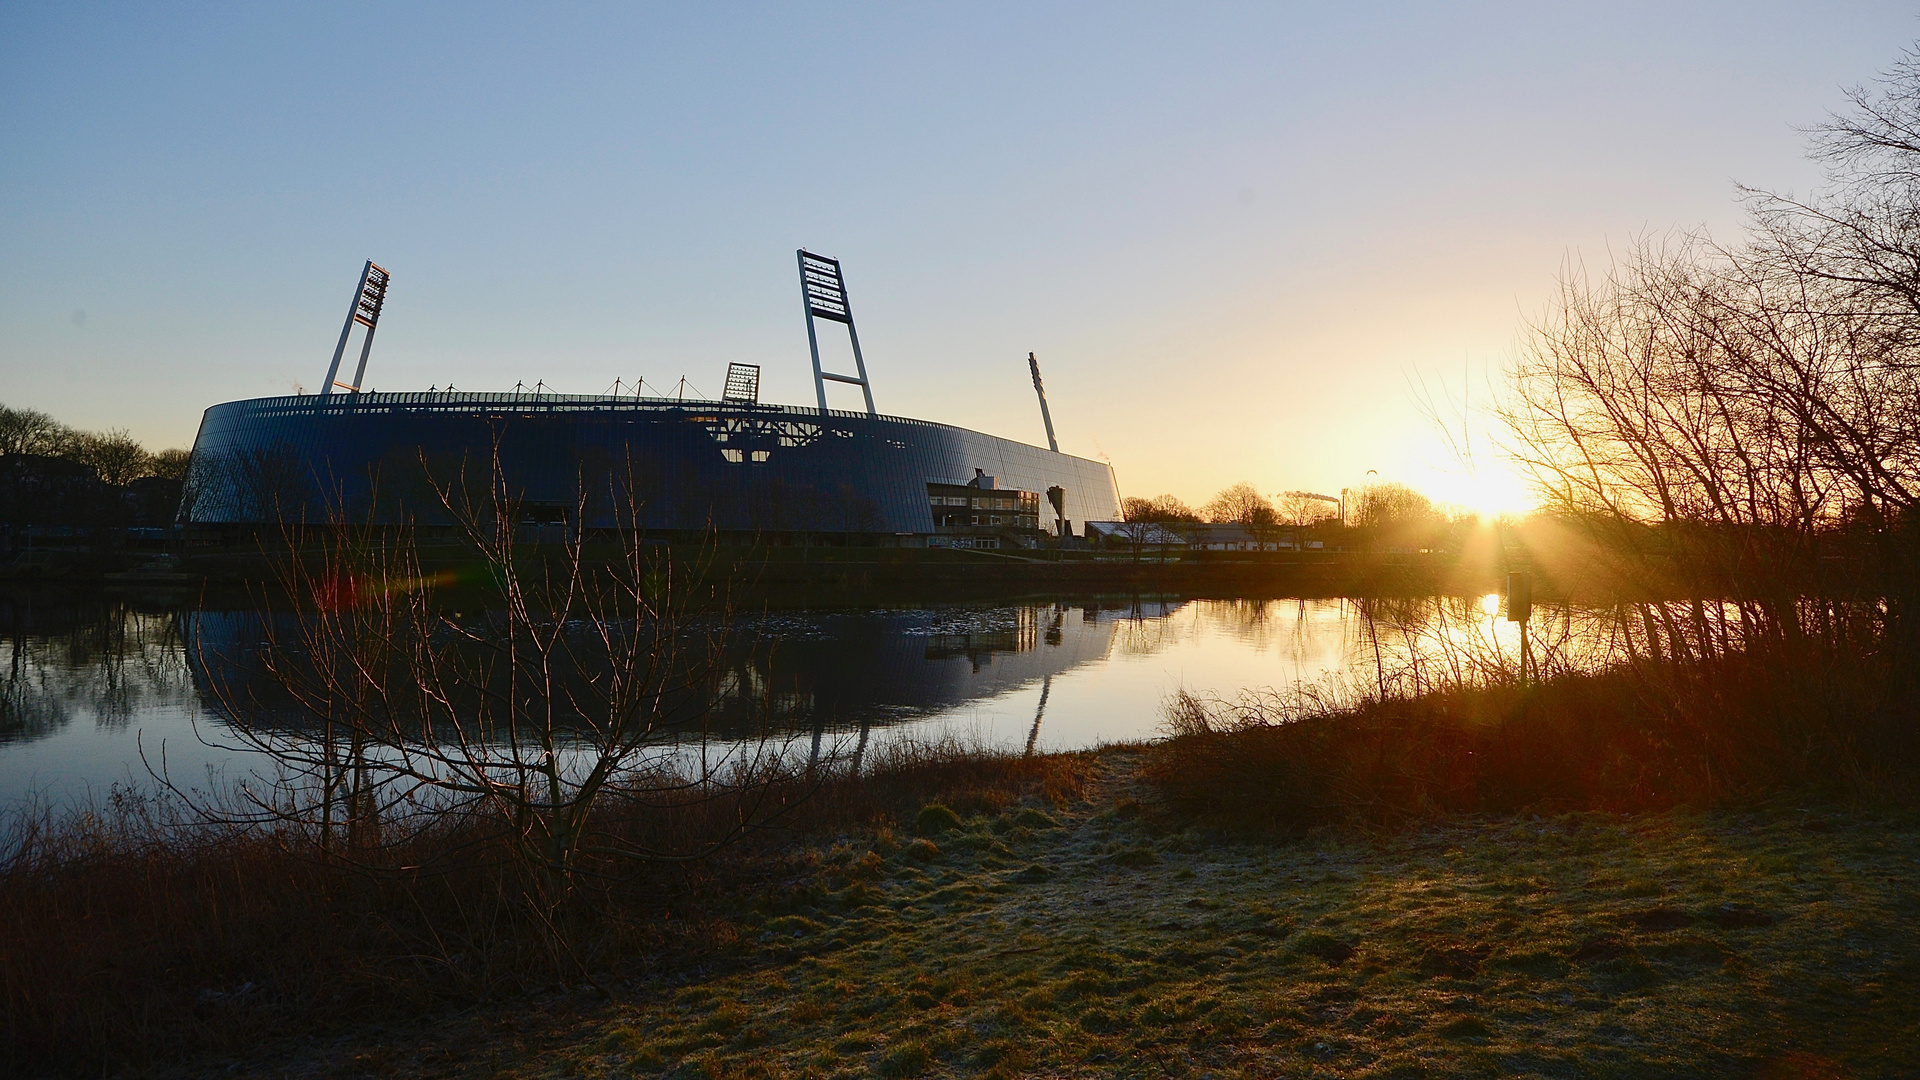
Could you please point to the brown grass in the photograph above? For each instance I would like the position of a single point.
(127, 943)
(1644, 737)
(1104, 939)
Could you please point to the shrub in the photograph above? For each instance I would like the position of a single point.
(126, 946)
(906, 1059)
(935, 819)
(1034, 819)
(1643, 737)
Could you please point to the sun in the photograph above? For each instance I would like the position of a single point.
(1490, 493)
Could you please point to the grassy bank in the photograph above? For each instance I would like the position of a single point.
(1094, 936)
(128, 944)
(1551, 880)
(1730, 731)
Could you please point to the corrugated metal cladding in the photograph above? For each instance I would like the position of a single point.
(685, 465)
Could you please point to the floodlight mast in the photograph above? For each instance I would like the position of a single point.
(823, 292)
(368, 298)
(1033, 365)
(743, 384)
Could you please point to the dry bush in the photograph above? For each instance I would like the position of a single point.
(1730, 730)
(901, 777)
(129, 943)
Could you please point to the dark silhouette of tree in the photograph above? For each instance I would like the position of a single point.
(115, 455)
(1735, 412)
(579, 685)
(29, 431)
(171, 464)
(1857, 233)
(1300, 509)
(1161, 508)
(1388, 505)
(1241, 504)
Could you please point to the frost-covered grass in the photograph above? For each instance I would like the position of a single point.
(1097, 938)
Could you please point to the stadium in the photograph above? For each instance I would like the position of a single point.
(658, 464)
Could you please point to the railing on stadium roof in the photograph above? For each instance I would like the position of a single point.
(462, 400)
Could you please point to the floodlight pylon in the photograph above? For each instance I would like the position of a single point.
(368, 298)
(743, 384)
(1039, 388)
(823, 292)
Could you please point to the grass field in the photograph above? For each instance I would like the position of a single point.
(1096, 939)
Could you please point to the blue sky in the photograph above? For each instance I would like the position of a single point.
(1232, 233)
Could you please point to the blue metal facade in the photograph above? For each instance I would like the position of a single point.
(682, 464)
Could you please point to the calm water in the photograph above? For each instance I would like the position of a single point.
(89, 686)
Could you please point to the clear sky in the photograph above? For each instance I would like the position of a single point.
(1234, 234)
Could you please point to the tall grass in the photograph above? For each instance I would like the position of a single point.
(1648, 733)
(128, 942)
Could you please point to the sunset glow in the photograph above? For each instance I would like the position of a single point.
(1489, 493)
(978, 540)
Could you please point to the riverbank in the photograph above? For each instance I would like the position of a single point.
(1089, 933)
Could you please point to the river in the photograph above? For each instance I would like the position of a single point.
(98, 692)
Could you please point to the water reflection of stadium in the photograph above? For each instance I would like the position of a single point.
(795, 672)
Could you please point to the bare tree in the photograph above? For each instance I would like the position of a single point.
(269, 484)
(29, 431)
(1241, 504)
(1769, 384)
(1303, 508)
(172, 464)
(1857, 232)
(1159, 508)
(1141, 534)
(1388, 505)
(583, 679)
(1716, 415)
(115, 455)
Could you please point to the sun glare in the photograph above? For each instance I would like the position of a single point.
(1490, 603)
(1488, 493)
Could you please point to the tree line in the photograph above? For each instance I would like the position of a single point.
(1384, 504)
(1385, 514)
(117, 457)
